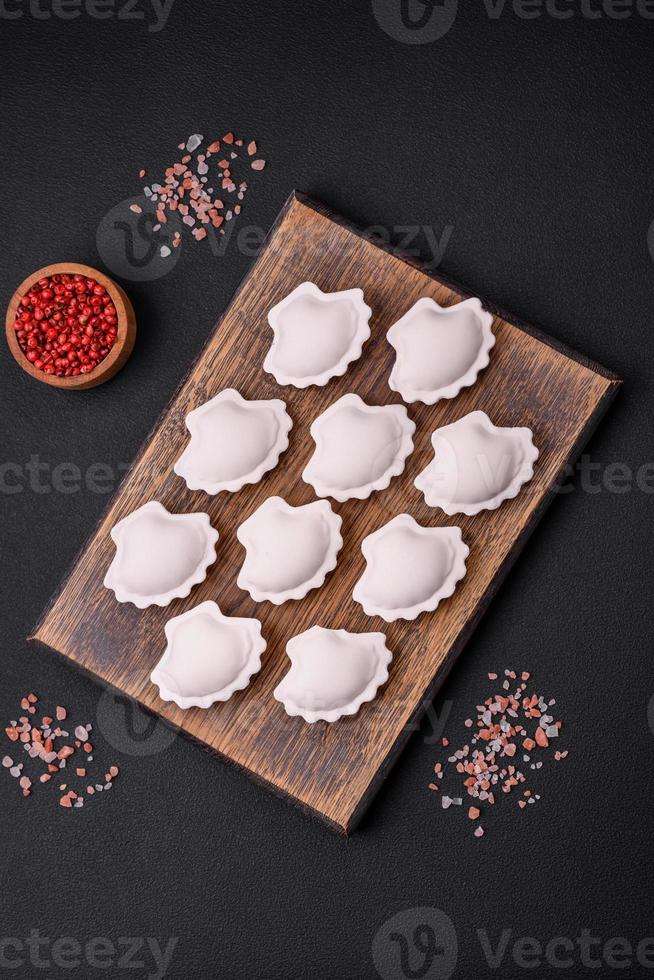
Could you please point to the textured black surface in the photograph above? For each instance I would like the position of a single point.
(531, 137)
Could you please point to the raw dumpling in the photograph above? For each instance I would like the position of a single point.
(409, 568)
(159, 556)
(289, 550)
(233, 442)
(359, 448)
(209, 656)
(316, 335)
(440, 350)
(332, 673)
(476, 465)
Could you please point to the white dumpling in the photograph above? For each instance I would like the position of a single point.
(409, 568)
(159, 556)
(316, 335)
(233, 442)
(289, 550)
(359, 448)
(208, 657)
(476, 465)
(332, 673)
(439, 350)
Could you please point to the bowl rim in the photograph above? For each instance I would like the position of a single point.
(117, 356)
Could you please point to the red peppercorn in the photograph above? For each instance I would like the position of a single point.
(66, 324)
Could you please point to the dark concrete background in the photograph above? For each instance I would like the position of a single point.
(530, 140)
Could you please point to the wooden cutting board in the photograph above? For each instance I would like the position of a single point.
(331, 770)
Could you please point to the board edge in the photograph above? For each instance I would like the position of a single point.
(613, 383)
(466, 633)
(292, 801)
(167, 407)
(465, 292)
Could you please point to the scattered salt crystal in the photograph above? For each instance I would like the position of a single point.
(164, 251)
(479, 832)
(7, 762)
(193, 142)
(80, 733)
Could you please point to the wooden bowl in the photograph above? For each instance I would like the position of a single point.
(118, 354)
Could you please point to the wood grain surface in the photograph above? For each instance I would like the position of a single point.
(331, 770)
